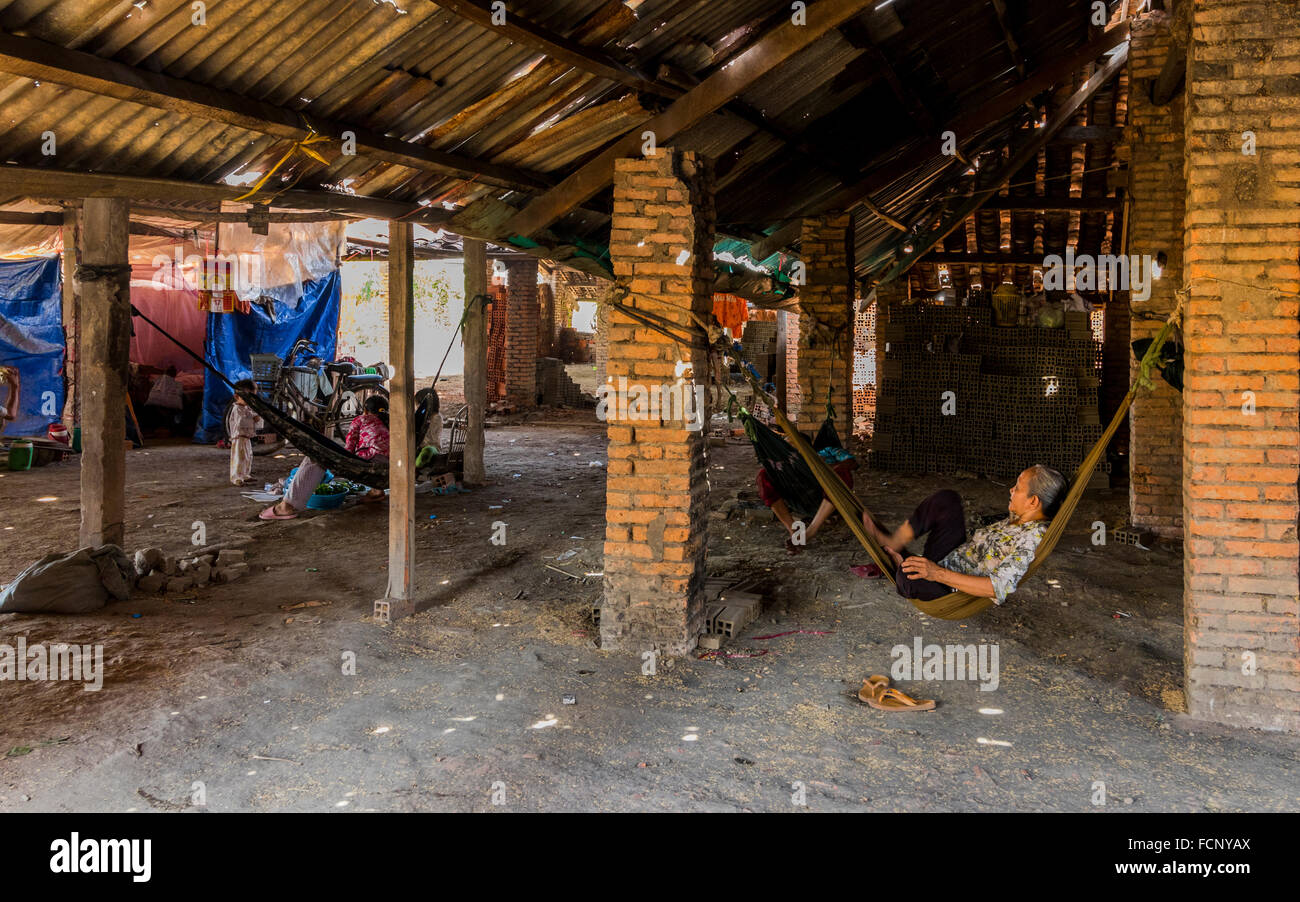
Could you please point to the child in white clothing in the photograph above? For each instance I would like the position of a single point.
(242, 423)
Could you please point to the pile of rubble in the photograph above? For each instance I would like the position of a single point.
(157, 572)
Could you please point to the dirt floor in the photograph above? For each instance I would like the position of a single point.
(461, 707)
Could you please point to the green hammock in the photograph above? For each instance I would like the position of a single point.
(960, 605)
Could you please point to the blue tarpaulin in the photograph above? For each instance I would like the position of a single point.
(32, 341)
(232, 337)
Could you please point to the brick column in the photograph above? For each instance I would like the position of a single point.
(1243, 336)
(661, 245)
(825, 355)
(521, 331)
(1155, 138)
(793, 397)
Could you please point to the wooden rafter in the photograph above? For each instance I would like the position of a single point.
(767, 53)
(41, 61)
(59, 184)
(965, 125)
(1013, 47)
(669, 81)
(522, 31)
(1018, 160)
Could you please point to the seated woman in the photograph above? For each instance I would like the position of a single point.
(367, 439)
(841, 461)
(995, 559)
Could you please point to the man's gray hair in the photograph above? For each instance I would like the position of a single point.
(1048, 486)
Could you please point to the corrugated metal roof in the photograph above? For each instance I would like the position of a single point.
(421, 73)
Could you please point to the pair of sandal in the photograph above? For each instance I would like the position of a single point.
(877, 693)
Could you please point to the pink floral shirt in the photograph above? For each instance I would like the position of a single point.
(368, 437)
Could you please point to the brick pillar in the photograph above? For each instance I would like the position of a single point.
(1243, 335)
(1155, 138)
(825, 357)
(661, 245)
(793, 396)
(521, 331)
(547, 333)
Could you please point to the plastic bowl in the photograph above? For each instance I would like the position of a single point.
(326, 502)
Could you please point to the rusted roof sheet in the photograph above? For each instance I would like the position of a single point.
(414, 71)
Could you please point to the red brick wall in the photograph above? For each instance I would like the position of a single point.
(1243, 335)
(656, 493)
(1158, 189)
(521, 331)
(793, 396)
(825, 357)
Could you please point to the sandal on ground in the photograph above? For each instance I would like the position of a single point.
(270, 514)
(885, 698)
(872, 686)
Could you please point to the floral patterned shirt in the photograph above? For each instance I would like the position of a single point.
(1001, 552)
(368, 437)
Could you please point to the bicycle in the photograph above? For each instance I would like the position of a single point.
(325, 396)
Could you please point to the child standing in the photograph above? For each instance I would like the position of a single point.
(242, 423)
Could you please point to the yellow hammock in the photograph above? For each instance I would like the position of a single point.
(960, 605)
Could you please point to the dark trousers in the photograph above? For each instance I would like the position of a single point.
(942, 521)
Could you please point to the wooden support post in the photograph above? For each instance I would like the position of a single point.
(71, 320)
(105, 287)
(475, 357)
(399, 599)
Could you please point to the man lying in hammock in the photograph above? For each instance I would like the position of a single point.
(993, 562)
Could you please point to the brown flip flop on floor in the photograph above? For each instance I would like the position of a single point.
(872, 686)
(890, 699)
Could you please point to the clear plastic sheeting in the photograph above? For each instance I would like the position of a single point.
(277, 265)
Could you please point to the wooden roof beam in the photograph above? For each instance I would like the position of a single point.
(1018, 160)
(59, 184)
(966, 124)
(774, 48)
(42, 61)
(1013, 48)
(520, 30)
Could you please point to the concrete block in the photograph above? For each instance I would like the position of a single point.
(230, 556)
(179, 584)
(233, 572)
(202, 574)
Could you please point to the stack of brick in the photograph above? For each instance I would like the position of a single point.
(1241, 393)
(759, 341)
(556, 389)
(864, 368)
(661, 246)
(960, 393)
